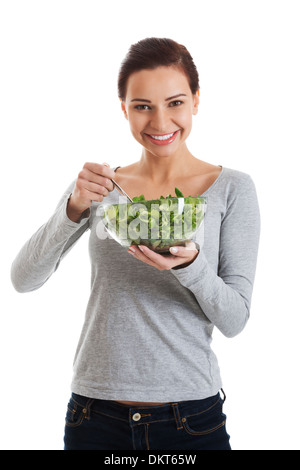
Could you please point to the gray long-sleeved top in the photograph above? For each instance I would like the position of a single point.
(147, 333)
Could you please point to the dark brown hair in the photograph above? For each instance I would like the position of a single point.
(151, 53)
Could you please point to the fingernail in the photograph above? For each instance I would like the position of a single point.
(174, 249)
(141, 248)
(131, 250)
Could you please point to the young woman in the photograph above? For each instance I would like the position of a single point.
(145, 376)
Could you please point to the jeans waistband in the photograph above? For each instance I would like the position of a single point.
(137, 415)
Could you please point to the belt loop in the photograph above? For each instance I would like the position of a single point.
(177, 415)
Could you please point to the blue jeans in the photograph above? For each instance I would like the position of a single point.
(107, 425)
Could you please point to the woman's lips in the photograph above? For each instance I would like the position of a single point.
(162, 139)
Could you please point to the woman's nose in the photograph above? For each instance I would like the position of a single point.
(159, 121)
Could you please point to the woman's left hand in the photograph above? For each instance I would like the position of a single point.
(184, 256)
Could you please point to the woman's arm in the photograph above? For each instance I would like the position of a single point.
(225, 297)
(42, 253)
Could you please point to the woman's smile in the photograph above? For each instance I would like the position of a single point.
(162, 139)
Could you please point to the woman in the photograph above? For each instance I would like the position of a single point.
(145, 376)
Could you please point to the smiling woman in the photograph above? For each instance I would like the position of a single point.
(151, 70)
(145, 376)
(165, 119)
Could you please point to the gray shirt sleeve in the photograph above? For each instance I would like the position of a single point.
(225, 297)
(42, 253)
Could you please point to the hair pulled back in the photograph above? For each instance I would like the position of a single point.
(151, 53)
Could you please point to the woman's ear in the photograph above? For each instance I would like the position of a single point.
(123, 107)
(196, 98)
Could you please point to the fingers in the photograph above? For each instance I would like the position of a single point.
(148, 256)
(92, 188)
(98, 175)
(190, 245)
(87, 176)
(184, 251)
(93, 184)
(184, 255)
(100, 169)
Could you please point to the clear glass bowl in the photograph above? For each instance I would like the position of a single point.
(158, 223)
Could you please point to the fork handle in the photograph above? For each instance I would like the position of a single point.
(122, 190)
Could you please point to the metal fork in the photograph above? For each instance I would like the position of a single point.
(122, 190)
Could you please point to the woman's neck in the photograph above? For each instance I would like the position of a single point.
(163, 169)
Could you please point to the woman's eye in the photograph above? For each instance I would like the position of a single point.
(145, 107)
(176, 103)
(141, 107)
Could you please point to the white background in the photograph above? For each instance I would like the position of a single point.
(59, 108)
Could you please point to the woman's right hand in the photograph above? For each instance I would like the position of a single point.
(93, 184)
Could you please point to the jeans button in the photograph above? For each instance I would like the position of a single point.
(136, 417)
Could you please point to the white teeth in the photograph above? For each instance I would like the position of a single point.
(162, 137)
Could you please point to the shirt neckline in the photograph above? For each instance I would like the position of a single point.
(202, 195)
(215, 182)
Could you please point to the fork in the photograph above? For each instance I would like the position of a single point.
(122, 190)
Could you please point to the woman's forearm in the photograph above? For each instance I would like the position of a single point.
(41, 254)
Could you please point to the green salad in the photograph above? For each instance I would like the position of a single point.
(142, 197)
(158, 223)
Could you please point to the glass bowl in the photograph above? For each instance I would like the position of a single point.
(158, 224)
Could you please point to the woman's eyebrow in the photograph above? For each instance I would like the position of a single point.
(175, 96)
(167, 99)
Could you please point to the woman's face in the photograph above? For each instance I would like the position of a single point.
(159, 106)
